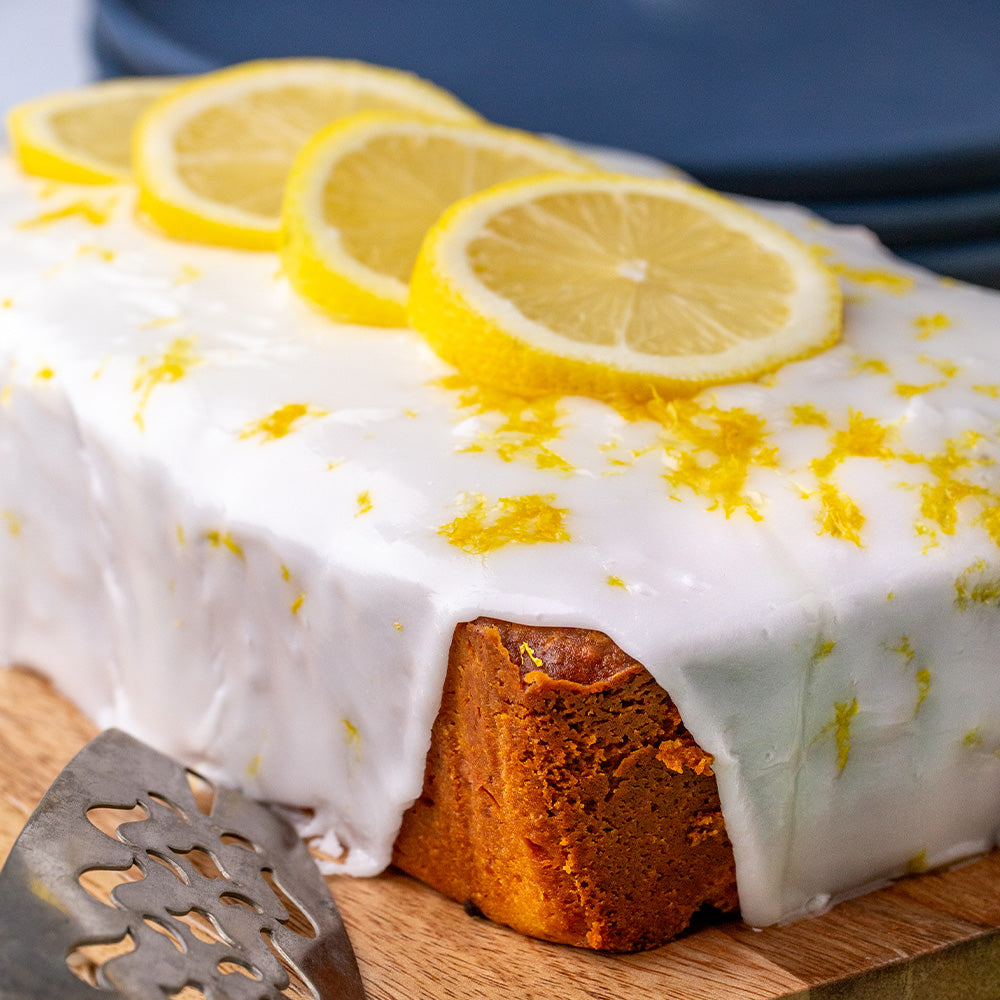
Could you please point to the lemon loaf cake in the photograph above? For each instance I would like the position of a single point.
(251, 536)
(563, 795)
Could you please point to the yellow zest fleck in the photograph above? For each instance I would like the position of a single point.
(351, 732)
(286, 574)
(943, 366)
(929, 324)
(525, 427)
(870, 366)
(43, 374)
(177, 360)
(522, 520)
(917, 865)
(822, 649)
(864, 437)
(297, 603)
(364, 501)
(908, 389)
(253, 767)
(941, 496)
(989, 519)
(993, 390)
(181, 537)
(904, 649)
(159, 321)
(843, 713)
(806, 414)
(96, 213)
(891, 596)
(398, 626)
(839, 516)
(13, 522)
(6, 394)
(973, 738)
(923, 687)
(525, 650)
(616, 581)
(218, 539)
(976, 587)
(281, 422)
(91, 249)
(711, 451)
(7, 303)
(188, 273)
(884, 280)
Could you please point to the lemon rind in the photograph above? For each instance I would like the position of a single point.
(351, 290)
(178, 211)
(475, 329)
(40, 152)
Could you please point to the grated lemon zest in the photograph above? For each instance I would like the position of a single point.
(983, 591)
(870, 366)
(923, 687)
(220, 539)
(943, 366)
(96, 213)
(176, 361)
(822, 649)
(525, 650)
(281, 422)
(908, 389)
(807, 414)
(929, 324)
(521, 520)
(882, 279)
(525, 428)
(864, 437)
(839, 515)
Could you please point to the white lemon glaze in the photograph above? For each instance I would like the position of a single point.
(246, 534)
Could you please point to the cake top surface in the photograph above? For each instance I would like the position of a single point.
(807, 562)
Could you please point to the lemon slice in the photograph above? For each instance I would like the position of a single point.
(605, 285)
(363, 193)
(83, 135)
(212, 157)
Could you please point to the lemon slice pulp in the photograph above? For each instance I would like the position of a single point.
(364, 192)
(211, 159)
(83, 135)
(608, 285)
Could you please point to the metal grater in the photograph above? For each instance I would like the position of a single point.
(215, 894)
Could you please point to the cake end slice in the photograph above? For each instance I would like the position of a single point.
(563, 795)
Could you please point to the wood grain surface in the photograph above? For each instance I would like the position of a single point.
(932, 937)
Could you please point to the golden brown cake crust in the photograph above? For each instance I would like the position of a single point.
(563, 795)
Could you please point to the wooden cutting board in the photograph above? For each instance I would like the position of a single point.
(934, 936)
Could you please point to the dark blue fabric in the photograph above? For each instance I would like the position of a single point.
(822, 99)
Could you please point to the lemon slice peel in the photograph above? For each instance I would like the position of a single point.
(82, 136)
(211, 158)
(694, 316)
(363, 192)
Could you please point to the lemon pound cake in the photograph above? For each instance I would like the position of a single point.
(251, 535)
(563, 795)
